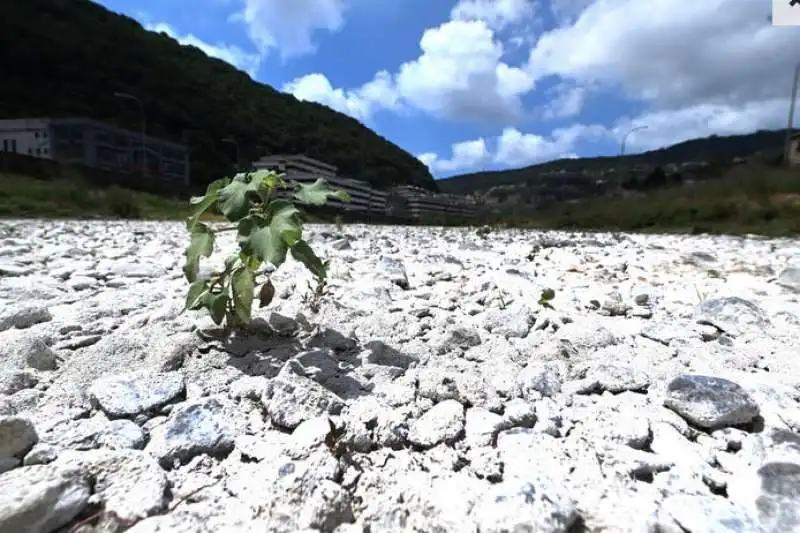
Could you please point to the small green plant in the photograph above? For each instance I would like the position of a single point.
(317, 292)
(545, 298)
(268, 228)
(339, 222)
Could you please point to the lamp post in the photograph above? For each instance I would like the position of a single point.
(625, 138)
(622, 151)
(790, 126)
(144, 128)
(236, 144)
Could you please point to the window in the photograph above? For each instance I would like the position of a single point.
(5, 145)
(14, 145)
(36, 135)
(38, 151)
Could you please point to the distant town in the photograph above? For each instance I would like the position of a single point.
(99, 145)
(84, 141)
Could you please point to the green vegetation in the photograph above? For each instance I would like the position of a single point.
(546, 297)
(268, 228)
(68, 57)
(749, 199)
(70, 196)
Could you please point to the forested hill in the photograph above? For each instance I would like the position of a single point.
(711, 149)
(68, 57)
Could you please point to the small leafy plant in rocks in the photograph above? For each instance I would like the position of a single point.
(546, 297)
(269, 227)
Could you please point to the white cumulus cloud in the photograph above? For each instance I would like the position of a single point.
(496, 13)
(289, 25)
(459, 74)
(360, 103)
(695, 69)
(466, 155)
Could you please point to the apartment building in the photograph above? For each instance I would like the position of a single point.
(303, 169)
(405, 201)
(409, 200)
(96, 144)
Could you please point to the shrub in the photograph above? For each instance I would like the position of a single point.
(267, 229)
(121, 203)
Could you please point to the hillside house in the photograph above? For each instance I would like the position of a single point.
(304, 169)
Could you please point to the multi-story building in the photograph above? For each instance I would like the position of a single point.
(404, 201)
(98, 145)
(304, 169)
(409, 200)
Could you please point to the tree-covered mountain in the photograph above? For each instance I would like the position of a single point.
(68, 57)
(710, 149)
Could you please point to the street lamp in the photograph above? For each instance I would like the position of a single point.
(625, 138)
(790, 127)
(144, 127)
(622, 153)
(236, 144)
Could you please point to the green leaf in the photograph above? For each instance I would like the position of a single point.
(195, 296)
(302, 252)
(230, 261)
(201, 203)
(201, 244)
(546, 296)
(216, 303)
(268, 238)
(284, 219)
(242, 286)
(275, 181)
(268, 179)
(318, 193)
(258, 239)
(234, 198)
(253, 262)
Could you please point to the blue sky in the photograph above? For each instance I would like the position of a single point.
(468, 85)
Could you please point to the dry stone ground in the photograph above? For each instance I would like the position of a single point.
(432, 392)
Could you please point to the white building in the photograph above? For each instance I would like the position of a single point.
(96, 144)
(28, 136)
(303, 169)
(403, 201)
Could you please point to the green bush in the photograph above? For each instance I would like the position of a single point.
(267, 229)
(121, 203)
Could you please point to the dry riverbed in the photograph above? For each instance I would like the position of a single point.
(433, 391)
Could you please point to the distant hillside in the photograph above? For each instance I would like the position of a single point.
(711, 149)
(745, 199)
(68, 57)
